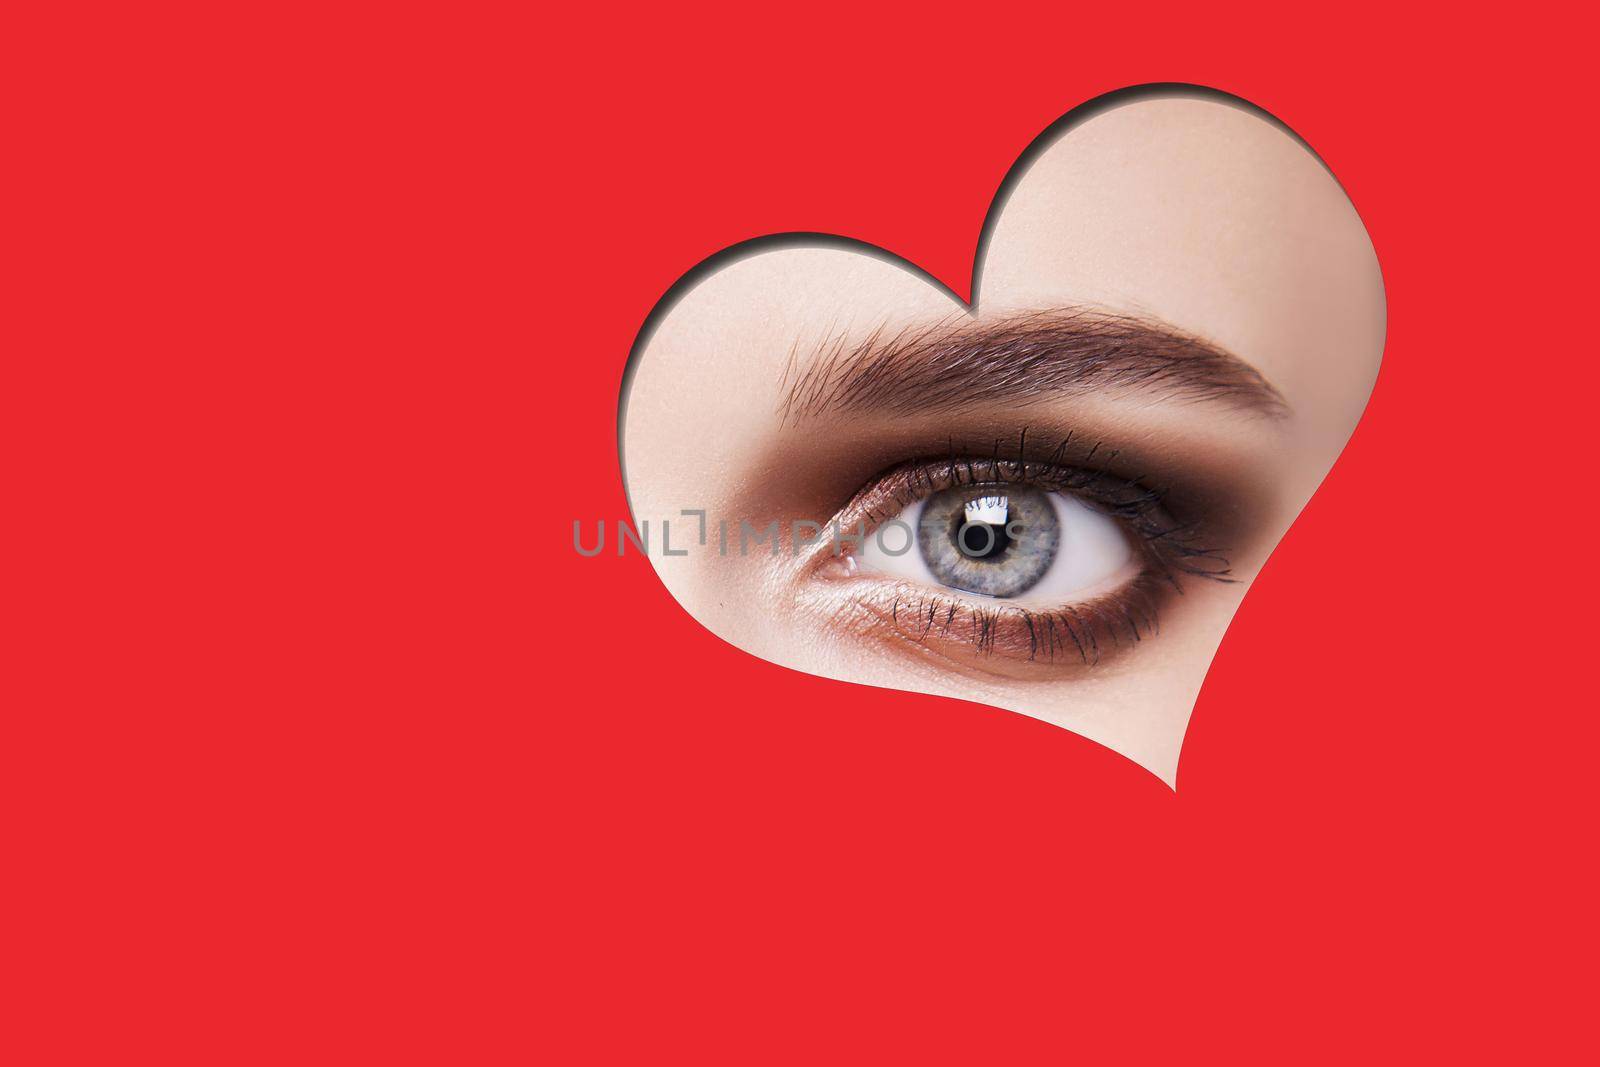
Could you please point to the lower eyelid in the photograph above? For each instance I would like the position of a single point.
(1001, 633)
(845, 567)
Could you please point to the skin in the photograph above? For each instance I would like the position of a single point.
(1194, 212)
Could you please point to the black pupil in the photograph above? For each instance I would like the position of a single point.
(980, 540)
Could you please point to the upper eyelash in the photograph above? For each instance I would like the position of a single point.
(1177, 546)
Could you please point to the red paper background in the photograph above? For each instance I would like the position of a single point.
(325, 747)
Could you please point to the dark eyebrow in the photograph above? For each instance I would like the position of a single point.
(961, 363)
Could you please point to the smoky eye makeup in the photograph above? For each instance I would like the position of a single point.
(1026, 555)
(1026, 495)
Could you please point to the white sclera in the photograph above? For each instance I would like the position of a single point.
(1093, 550)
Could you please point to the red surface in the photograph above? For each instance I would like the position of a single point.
(323, 746)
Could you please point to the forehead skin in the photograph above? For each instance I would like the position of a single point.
(1211, 218)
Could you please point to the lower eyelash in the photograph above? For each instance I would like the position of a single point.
(1083, 632)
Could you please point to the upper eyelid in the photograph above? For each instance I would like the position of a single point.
(1001, 466)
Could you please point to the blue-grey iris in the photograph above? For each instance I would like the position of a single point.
(997, 540)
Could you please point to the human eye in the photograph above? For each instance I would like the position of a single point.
(1003, 541)
(1036, 560)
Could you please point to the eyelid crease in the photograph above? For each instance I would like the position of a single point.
(959, 363)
